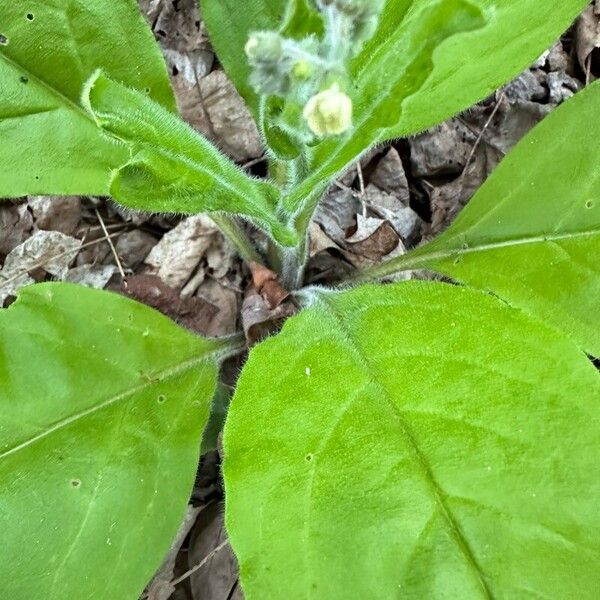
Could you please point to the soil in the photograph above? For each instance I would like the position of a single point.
(398, 197)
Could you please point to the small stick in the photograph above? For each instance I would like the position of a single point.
(361, 183)
(253, 162)
(480, 137)
(110, 243)
(200, 564)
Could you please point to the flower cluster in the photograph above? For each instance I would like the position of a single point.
(313, 73)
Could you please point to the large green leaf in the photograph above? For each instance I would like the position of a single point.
(415, 441)
(102, 407)
(172, 167)
(429, 60)
(48, 49)
(532, 232)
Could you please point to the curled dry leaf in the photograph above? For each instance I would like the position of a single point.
(373, 239)
(267, 284)
(399, 214)
(260, 320)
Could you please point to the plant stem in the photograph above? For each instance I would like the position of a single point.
(236, 235)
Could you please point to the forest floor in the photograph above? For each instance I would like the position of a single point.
(399, 196)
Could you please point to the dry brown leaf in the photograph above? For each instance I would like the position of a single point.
(400, 215)
(194, 313)
(48, 251)
(227, 300)
(389, 175)
(267, 284)
(259, 320)
(177, 255)
(15, 224)
(218, 579)
(94, 276)
(56, 213)
(227, 120)
(588, 40)
(161, 588)
(373, 239)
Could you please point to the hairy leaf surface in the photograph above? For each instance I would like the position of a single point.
(531, 234)
(420, 440)
(102, 407)
(173, 168)
(48, 49)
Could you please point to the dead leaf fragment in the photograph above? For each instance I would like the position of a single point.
(94, 276)
(218, 579)
(161, 588)
(389, 175)
(49, 251)
(228, 122)
(15, 224)
(177, 255)
(400, 215)
(442, 150)
(134, 246)
(374, 238)
(267, 284)
(194, 313)
(588, 40)
(260, 320)
(227, 300)
(56, 213)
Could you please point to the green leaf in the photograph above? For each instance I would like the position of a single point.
(102, 407)
(531, 234)
(429, 60)
(50, 48)
(420, 440)
(173, 168)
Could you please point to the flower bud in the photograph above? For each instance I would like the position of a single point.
(302, 70)
(264, 47)
(329, 112)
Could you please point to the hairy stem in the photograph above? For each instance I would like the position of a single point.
(236, 235)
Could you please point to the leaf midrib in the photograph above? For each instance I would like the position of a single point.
(421, 258)
(154, 379)
(409, 438)
(48, 87)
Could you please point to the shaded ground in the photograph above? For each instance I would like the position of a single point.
(398, 197)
